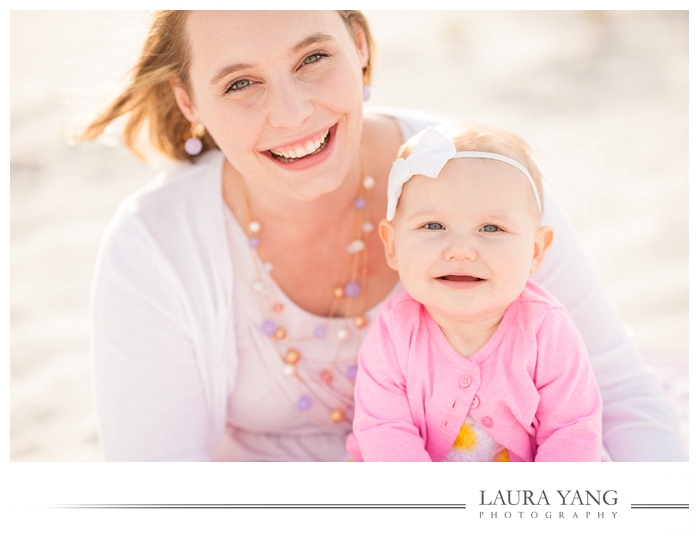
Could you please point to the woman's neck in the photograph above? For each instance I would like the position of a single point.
(292, 216)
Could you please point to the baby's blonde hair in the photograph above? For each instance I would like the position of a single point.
(469, 136)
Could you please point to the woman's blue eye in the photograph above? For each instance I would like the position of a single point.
(490, 228)
(238, 85)
(434, 226)
(312, 58)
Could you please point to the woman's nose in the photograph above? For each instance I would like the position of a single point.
(289, 106)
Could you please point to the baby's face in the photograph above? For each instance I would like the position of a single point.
(465, 243)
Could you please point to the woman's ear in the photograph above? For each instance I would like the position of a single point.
(387, 235)
(184, 102)
(543, 240)
(362, 44)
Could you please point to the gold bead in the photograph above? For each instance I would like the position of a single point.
(360, 321)
(336, 416)
(280, 333)
(338, 292)
(292, 356)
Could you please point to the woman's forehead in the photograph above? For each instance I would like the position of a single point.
(251, 36)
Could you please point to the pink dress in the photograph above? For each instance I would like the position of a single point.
(530, 388)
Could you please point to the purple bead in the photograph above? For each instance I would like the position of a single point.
(193, 146)
(304, 403)
(254, 241)
(269, 328)
(320, 331)
(352, 290)
(365, 94)
(359, 203)
(352, 372)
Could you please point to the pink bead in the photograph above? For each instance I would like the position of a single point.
(193, 146)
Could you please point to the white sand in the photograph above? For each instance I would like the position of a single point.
(602, 96)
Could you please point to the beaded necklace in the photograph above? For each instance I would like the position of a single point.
(351, 293)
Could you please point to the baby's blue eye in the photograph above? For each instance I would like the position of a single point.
(490, 228)
(434, 226)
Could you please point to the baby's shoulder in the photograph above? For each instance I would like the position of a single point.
(538, 307)
(401, 313)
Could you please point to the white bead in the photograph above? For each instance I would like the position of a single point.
(254, 227)
(342, 333)
(258, 286)
(356, 246)
(367, 227)
(368, 182)
(268, 266)
(288, 370)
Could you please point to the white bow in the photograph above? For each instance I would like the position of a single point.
(431, 153)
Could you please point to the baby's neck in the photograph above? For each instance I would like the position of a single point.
(468, 335)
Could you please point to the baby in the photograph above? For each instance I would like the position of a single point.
(474, 361)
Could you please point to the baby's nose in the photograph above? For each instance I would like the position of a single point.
(460, 248)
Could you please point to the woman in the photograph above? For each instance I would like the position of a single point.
(231, 295)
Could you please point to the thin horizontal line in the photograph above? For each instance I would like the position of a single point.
(659, 506)
(258, 506)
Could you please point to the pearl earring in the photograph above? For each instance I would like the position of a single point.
(193, 145)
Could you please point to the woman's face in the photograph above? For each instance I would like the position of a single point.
(281, 93)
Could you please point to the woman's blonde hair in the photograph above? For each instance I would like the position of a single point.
(148, 101)
(468, 136)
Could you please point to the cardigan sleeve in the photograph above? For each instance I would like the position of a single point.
(150, 398)
(569, 414)
(638, 421)
(383, 424)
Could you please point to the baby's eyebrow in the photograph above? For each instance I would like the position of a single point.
(422, 213)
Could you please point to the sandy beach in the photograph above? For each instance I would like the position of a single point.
(602, 96)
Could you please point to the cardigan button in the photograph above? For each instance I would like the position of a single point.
(475, 402)
(465, 381)
(487, 422)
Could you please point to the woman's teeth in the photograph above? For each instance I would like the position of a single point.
(301, 150)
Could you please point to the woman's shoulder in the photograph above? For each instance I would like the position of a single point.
(409, 120)
(178, 215)
(183, 196)
(182, 187)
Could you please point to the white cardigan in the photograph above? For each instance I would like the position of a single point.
(163, 339)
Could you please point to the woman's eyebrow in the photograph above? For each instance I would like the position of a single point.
(312, 39)
(316, 38)
(226, 70)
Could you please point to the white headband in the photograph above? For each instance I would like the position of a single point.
(430, 155)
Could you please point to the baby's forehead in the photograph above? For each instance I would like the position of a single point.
(469, 185)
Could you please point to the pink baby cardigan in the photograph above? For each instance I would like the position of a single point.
(530, 387)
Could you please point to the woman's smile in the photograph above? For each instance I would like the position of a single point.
(304, 153)
(300, 149)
